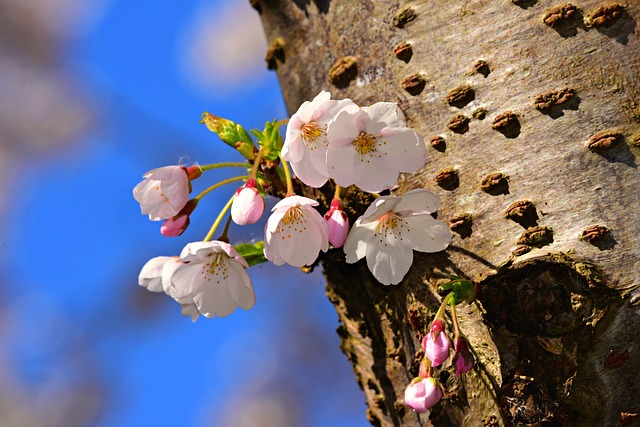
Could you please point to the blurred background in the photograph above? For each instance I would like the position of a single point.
(93, 93)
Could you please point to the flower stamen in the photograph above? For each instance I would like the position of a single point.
(217, 267)
(365, 143)
(310, 132)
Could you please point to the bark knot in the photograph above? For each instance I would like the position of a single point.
(403, 51)
(448, 179)
(460, 96)
(414, 84)
(604, 141)
(343, 71)
(495, 184)
(537, 236)
(405, 16)
(522, 212)
(604, 15)
(560, 15)
(458, 123)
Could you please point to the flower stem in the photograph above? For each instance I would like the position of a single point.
(219, 184)
(337, 193)
(287, 174)
(454, 317)
(282, 122)
(444, 304)
(224, 165)
(218, 220)
(256, 163)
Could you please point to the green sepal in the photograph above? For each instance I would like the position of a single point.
(253, 253)
(231, 133)
(461, 290)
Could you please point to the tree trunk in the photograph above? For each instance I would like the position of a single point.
(523, 101)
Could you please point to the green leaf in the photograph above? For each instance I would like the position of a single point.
(272, 142)
(231, 133)
(253, 253)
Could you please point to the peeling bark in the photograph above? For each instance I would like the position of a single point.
(546, 183)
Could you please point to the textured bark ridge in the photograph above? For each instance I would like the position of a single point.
(535, 110)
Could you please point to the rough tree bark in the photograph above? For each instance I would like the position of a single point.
(536, 102)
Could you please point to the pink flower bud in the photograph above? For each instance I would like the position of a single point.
(421, 394)
(338, 224)
(463, 359)
(436, 344)
(248, 204)
(175, 226)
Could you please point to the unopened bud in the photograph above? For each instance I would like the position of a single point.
(337, 223)
(463, 359)
(436, 344)
(421, 394)
(175, 226)
(248, 205)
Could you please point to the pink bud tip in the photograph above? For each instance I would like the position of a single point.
(175, 226)
(248, 205)
(421, 394)
(337, 223)
(436, 344)
(463, 359)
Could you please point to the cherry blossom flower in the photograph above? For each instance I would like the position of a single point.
(163, 192)
(436, 344)
(338, 224)
(391, 228)
(462, 359)
(248, 204)
(305, 145)
(370, 146)
(421, 394)
(295, 232)
(211, 276)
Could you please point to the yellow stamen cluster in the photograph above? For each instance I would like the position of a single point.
(217, 268)
(292, 221)
(390, 224)
(310, 132)
(365, 143)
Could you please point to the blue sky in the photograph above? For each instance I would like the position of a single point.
(78, 240)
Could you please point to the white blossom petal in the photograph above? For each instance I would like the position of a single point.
(214, 299)
(150, 276)
(406, 149)
(359, 237)
(184, 280)
(379, 207)
(190, 310)
(428, 234)
(243, 294)
(389, 258)
(417, 202)
(343, 129)
(380, 177)
(383, 115)
(345, 166)
(306, 172)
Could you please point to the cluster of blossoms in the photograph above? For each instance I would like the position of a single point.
(326, 141)
(423, 392)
